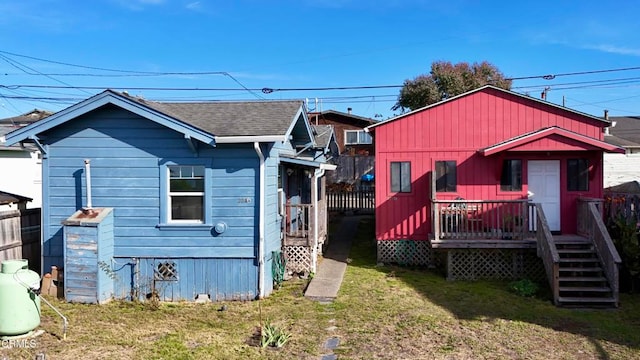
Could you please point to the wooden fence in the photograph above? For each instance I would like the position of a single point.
(350, 168)
(20, 236)
(362, 201)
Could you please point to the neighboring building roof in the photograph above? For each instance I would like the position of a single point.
(323, 134)
(630, 187)
(490, 87)
(26, 118)
(625, 130)
(9, 198)
(548, 132)
(618, 141)
(10, 124)
(338, 116)
(214, 122)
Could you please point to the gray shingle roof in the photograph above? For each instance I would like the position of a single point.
(26, 118)
(627, 128)
(322, 134)
(241, 118)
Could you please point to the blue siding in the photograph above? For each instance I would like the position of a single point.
(221, 279)
(126, 153)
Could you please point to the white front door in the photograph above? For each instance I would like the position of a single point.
(544, 188)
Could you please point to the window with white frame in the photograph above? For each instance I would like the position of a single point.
(186, 193)
(356, 137)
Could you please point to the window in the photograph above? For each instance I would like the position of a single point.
(511, 179)
(446, 178)
(355, 137)
(578, 175)
(186, 193)
(401, 176)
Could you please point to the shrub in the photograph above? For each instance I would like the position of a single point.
(524, 287)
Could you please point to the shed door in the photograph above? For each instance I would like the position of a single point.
(544, 182)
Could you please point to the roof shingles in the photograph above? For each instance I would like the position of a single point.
(246, 118)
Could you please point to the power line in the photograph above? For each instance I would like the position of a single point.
(20, 66)
(553, 76)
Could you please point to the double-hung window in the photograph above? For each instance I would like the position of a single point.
(357, 137)
(186, 194)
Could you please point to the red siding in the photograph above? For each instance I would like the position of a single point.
(456, 130)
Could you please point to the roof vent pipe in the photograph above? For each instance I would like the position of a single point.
(349, 110)
(606, 114)
(87, 172)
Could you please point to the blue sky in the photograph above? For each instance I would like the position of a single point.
(307, 44)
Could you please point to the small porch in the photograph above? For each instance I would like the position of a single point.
(303, 211)
(483, 224)
(486, 238)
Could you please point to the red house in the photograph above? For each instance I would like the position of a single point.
(480, 181)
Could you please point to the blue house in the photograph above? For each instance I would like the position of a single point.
(198, 199)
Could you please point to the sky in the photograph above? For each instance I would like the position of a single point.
(55, 53)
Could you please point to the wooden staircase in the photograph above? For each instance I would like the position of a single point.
(582, 282)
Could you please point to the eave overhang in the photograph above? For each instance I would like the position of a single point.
(519, 142)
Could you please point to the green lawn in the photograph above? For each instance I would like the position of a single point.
(381, 312)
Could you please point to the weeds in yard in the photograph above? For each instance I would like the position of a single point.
(524, 287)
(272, 335)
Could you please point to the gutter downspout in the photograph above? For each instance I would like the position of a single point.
(256, 146)
(317, 174)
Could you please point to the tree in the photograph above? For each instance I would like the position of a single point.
(446, 80)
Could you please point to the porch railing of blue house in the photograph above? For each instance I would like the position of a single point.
(298, 223)
(483, 219)
(591, 225)
(546, 249)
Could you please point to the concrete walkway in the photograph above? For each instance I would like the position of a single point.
(326, 282)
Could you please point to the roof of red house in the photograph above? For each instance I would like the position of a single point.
(490, 87)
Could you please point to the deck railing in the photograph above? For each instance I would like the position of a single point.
(298, 222)
(546, 249)
(483, 219)
(591, 225)
(361, 201)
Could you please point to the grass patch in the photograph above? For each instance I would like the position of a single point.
(383, 312)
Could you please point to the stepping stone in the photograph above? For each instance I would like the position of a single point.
(332, 343)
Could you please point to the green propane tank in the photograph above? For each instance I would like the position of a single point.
(19, 307)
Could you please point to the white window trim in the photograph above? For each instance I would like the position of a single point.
(202, 194)
(357, 138)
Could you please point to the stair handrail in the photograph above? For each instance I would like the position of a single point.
(606, 250)
(546, 249)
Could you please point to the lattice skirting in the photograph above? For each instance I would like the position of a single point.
(404, 252)
(298, 258)
(472, 264)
